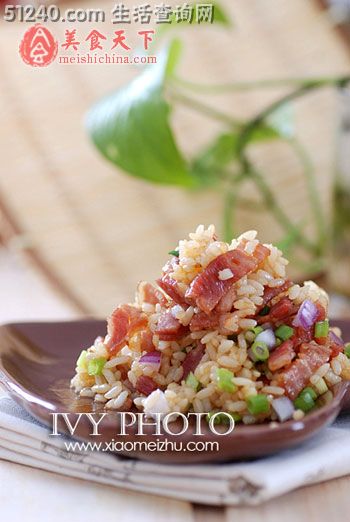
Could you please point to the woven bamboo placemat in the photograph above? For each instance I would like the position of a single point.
(96, 231)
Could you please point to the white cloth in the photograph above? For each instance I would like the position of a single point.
(25, 441)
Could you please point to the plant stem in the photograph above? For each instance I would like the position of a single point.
(304, 88)
(206, 109)
(228, 214)
(272, 204)
(312, 189)
(243, 141)
(261, 84)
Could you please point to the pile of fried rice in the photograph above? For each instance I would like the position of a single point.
(224, 330)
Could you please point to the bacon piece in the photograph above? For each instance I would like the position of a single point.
(281, 356)
(193, 358)
(213, 321)
(207, 289)
(336, 346)
(124, 372)
(226, 302)
(147, 341)
(280, 311)
(284, 308)
(124, 321)
(302, 336)
(147, 293)
(271, 293)
(170, 285)
(145, 385)
(321, 312)
(127, 405)
(169, 328)
(336, 349)
(202, 321)
(295, 378)
(259, 253)
(117, 326)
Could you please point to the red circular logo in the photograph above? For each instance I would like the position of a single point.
(38, 47)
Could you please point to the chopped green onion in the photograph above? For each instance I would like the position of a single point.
(81, 362)
(265, 310)
(304, 403)
(258, 404)
(95, 366)
(321, 329)
(260, 351)
(222, 418)
(192, 381)
(257, 329)
(305, 400)
(278, 342)
(249, 336)
(284, 332)
(210, 415)
(311, 391)
(236, 416)
(225, 381)
(174, 253)
(347, 350)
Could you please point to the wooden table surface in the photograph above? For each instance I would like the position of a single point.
(30, 493)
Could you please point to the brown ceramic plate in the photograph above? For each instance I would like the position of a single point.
(37, 361)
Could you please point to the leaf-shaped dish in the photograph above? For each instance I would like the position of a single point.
(37, 361)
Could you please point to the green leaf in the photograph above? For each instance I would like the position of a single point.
(279, 125)
(211, 161)
(131, 127)
(263, 132)
(218, 154)
(222, 151)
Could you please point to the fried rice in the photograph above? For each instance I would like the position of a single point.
(224, 330)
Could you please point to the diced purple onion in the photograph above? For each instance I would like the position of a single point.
(268, 337)
(284, 408)
(336, 339)
(151, 358)
(307, 315)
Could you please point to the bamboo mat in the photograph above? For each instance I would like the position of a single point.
(97, 231)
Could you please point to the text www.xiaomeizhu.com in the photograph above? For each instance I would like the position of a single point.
(157, 445)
